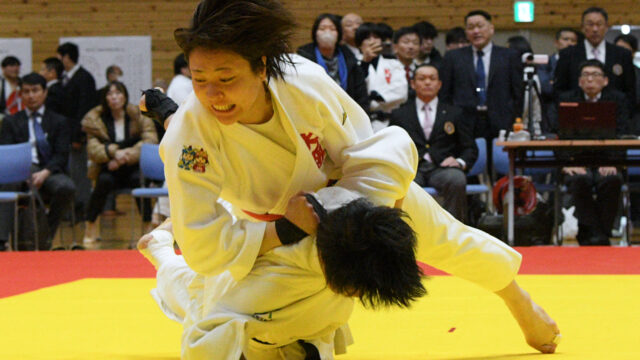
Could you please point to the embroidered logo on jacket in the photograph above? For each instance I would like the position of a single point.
(194, 159)
(313, 143)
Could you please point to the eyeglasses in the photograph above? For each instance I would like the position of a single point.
(593, 75)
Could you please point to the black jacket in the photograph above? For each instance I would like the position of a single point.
(621, 78)
(356, 85)
(451, 134)
(79, 97)
(55, 98)
(504, 89)
(15, 130)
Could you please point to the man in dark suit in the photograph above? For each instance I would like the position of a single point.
(48, 133)
(444, 140)
(484, 79)
(51, 70)
(596, 216)
(80, 96)
(618, 62)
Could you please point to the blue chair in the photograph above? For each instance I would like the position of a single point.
(478, 168)
(151, 168)
(15, 168)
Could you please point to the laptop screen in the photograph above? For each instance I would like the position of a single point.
(587, 120)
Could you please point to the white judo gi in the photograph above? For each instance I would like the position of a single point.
(388, 79)
(332, 140)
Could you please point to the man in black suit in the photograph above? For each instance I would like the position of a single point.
(444, 140)
(484, 79)
(51, 70)
(618, 62)
(596, 216)
(48, 133)
(80, 96)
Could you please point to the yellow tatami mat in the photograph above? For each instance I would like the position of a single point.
(598, 315)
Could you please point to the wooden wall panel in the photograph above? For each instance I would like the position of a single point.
(47, 20)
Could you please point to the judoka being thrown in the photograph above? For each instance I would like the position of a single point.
(263, 125)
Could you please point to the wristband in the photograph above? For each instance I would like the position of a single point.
(159, 106)
(288, 232)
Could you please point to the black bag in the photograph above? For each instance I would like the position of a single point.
(26, 228)
(532, 229)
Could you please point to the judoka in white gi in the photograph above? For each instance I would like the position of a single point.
(263, 125)
(285, 297)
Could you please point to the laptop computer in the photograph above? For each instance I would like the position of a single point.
(587, 120)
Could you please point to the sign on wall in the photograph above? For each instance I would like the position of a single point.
(20, 48)
(131, 53)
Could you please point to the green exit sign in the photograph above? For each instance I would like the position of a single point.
(523, 11)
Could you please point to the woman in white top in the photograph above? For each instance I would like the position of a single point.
(263, 125)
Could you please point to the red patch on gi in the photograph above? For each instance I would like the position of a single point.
(313, 143)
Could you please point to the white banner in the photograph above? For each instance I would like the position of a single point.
(131, 53)
(20, 48)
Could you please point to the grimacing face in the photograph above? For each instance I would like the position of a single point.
(225, 84)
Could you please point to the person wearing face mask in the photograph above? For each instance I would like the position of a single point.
(115, 133)
(337, 60)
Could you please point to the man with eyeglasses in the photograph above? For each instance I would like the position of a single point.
(596, 216)
(618, 63)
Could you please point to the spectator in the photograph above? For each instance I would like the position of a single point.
(406, 45)
(485, 80)
(180, 86)
(443, 138)
(387, 39)
(630, 42)
(51, 70)
(113, 73)
(49, 135)
(350, 23)
(428, 54)
(456, 38)
(79, 96)
(385, 77)
(565, 37)
(618, 62)
(595, 216)
(116, 131)
(336, 59)
(10, 102)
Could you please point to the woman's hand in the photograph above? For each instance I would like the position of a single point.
(113, 165)
(301, 213)
(121, 156)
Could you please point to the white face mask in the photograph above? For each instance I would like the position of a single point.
(327, 38)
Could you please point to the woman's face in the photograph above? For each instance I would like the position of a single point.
(227, 86)
(327, 34)
(115, 98)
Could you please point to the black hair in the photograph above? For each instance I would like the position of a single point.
(112, 69)
(415, 71)
(559, 32)
(520, 44)
(456, 35)
(595, 9)
(404, 31)
(179, 63)
(10, 61)
(426, 30)
(482, 13)
(629, 39)
(53, 63)
(594, 63)
(335, 19)
(34, 79)
(386, 30)
(250, 28)
(103, 101)
(369, 251)
(365, 30)
(70, 49)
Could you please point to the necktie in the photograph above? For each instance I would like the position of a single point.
(13, 103)
(428, 120)
(407, 71)
(44, 150)
(65, 79)
(596, 53)
(480, 79)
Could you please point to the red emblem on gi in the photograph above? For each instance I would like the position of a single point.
(316, 149)
(387, 75)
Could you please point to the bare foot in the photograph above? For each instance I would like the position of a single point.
(540, 330)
